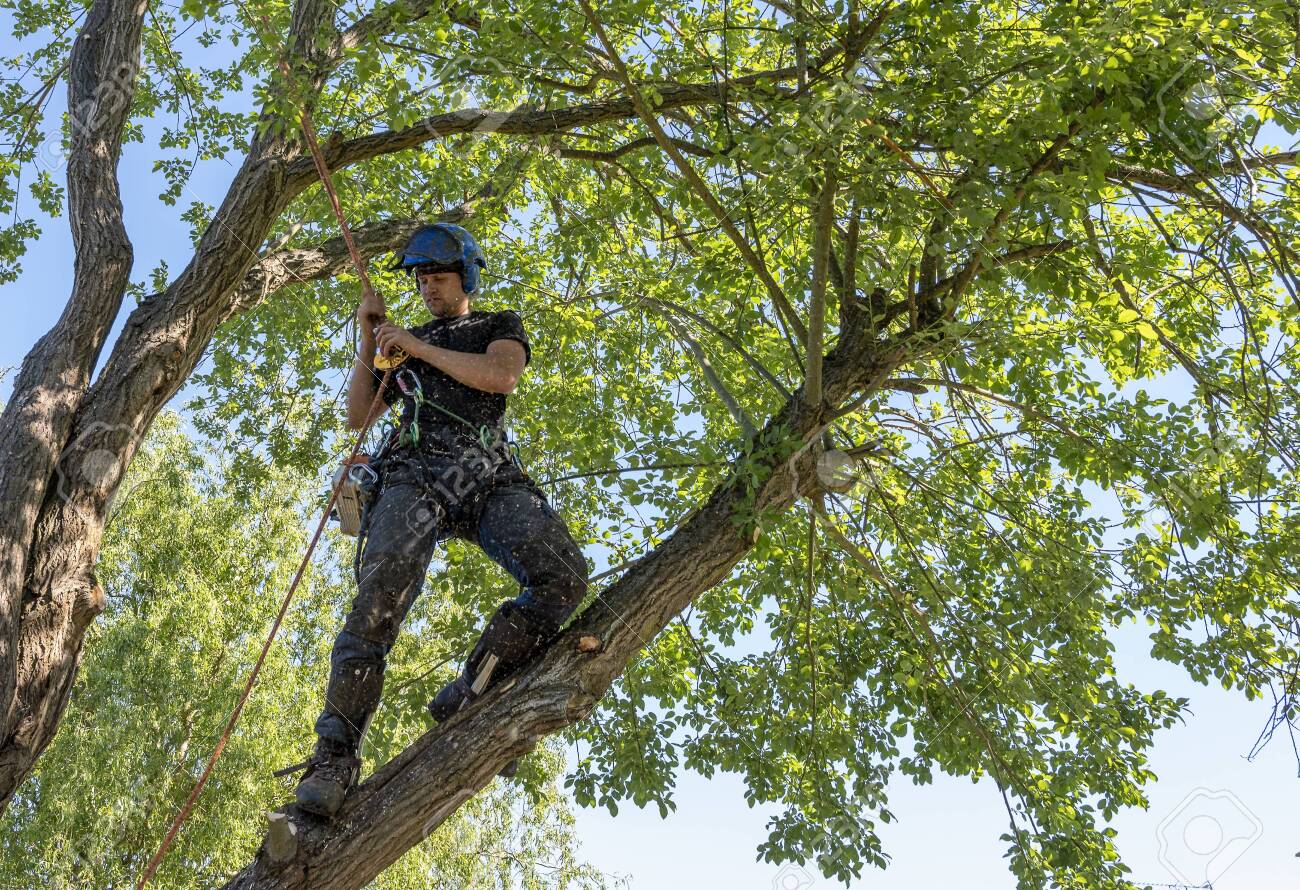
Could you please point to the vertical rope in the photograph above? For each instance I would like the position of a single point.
(188, 806)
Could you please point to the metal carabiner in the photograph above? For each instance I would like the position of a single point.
(414, 389)
(364, 469)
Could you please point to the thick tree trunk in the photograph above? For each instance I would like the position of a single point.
(162, 342)
(66, 447)
(44, 626)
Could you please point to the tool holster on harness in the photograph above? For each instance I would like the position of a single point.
(357, 481)
(357, 484)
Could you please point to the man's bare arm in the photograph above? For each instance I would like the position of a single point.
(364, 382)
(496, 370)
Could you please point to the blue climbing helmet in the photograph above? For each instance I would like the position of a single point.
(444, 247)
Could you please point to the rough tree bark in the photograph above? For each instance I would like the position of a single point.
(42, 618)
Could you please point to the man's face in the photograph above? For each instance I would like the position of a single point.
(442, 293)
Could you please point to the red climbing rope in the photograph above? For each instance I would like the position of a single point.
(184, 813)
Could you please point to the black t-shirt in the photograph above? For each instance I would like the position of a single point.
(471, 332)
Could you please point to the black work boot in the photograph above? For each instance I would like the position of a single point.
(506, 644)
(449, 699)
(325, 784)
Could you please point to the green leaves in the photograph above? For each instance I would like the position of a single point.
(1097, 429)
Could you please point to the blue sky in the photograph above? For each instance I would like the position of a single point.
(947, 833)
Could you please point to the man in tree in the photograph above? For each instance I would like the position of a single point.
(449, 472)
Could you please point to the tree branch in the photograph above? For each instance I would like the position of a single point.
(823, 222)
(700, 187)
(1190, 187)
(384, 19)
(526, 122)
(706, 367)
(973, 266)
(644, 142)
(1020, 254)
(754, 363)
(330, 258)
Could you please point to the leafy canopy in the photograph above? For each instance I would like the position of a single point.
(1098, 428)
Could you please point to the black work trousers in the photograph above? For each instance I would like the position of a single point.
(477, 494)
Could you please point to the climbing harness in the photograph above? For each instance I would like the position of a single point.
(485, 437)
(362, 481)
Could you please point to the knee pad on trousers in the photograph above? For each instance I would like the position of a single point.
(511, 638)
(355, 686)
(349, 646)
(550, 603)
(569, 589)
(565, 576)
